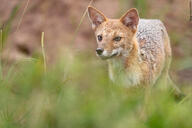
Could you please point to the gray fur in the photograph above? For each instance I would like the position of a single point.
(151, 32)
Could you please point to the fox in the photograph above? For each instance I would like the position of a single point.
(138, 51)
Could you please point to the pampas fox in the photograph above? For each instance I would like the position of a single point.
(138, 50)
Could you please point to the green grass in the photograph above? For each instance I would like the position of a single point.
(43, 51)
(6, 28)
(141, 5)
(76, 92)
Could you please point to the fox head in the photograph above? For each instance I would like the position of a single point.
(114, 36)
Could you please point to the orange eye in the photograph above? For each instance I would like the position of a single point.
(118, 38)
(99, 37)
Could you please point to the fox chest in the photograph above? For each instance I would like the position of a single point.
(122, 76)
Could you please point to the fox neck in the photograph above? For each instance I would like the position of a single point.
(133, 58)
(127, 67)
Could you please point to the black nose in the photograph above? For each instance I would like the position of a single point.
(99, 51)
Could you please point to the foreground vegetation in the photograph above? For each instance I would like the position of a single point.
(76, 93)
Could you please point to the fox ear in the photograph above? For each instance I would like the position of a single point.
(96, 17)
(131, 19)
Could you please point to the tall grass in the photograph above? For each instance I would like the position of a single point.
(43, 51)
(6, 27)
(1, 48)
(141, 5)
(80, 22)
(76, 92)
(22, 15)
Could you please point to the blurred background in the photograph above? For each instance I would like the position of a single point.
(23, 21)
(68, 87)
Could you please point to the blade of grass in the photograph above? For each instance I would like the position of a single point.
(1, 40)
(81, 21)
(22, 15)
(142, 6)
(43, 51)
(12, 68)
(1, 48)
(185, 99)
(190, 6)
(7, 25)
(5, 30)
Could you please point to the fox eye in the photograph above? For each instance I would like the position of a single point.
(99, 37)
(118, 38)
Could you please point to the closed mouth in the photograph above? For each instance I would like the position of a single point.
(108, 57)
